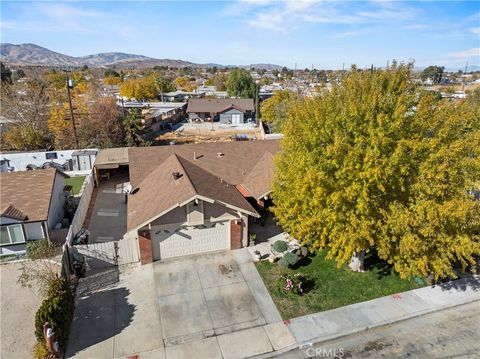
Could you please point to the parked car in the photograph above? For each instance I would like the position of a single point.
(32, 167)
(52, 164)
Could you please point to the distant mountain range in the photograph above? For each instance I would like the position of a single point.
(34, 55)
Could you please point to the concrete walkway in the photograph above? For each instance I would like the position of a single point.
(331, 324)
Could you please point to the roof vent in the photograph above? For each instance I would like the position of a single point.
(176, 175)
(220, 154)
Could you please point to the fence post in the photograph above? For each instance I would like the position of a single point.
(115, 249)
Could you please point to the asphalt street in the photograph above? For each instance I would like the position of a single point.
(452, 333)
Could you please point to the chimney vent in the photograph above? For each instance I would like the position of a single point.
(176, 175)
(220, 154)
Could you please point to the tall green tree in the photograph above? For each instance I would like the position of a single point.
(240, 84)
(133, 128)
(434, 73)
(163, 85)
(374, 164)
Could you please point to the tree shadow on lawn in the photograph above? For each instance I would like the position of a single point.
(373, 263)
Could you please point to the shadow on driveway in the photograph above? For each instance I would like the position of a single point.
(99, 315)
(462, 284)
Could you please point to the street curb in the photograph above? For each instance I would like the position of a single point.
(384, 323)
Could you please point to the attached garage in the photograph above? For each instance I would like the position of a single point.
(169, 243)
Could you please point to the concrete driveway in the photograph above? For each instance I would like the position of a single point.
(216, 306)
(206, 306)
(205, 295)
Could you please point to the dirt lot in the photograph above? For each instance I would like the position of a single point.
(208, 132)
(17, 313)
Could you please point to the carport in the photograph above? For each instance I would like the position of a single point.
(110, 161)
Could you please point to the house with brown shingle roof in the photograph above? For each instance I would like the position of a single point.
(196, 198)
(226, 110)
(31, 204)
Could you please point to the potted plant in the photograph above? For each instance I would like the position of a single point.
(251, 239)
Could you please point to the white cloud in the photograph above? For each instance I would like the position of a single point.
(288, 14)
(341, 35)
(475, 30)
(466, 54)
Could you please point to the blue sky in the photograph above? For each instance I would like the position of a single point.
(324, 34)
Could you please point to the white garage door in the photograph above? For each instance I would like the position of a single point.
(170, 243)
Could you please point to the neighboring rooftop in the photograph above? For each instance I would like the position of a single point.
(26, 195)
(219, 105)
(111, 157)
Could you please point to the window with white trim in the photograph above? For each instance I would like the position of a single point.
(11, 234)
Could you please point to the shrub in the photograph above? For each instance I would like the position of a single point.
(288, 260)
(41, 249)
(39, 350)
(280, 246)
(57, 309)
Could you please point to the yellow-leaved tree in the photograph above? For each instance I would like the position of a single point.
(374, 164)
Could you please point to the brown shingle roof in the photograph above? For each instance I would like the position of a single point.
(28, 192)
(259, 179)
(230, 161)
(219, 104)
(159, 192)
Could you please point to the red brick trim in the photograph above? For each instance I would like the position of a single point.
(145, 245)
(235, 234)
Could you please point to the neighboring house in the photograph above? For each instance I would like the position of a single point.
(32, 203)
(227, 110)
(196, 198)
(178, 96)
(162, 115)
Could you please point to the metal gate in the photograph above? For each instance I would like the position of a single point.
(109, 254)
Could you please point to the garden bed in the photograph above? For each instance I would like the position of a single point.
(331, 287)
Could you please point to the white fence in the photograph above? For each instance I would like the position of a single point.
(81, 212)
(108, 254)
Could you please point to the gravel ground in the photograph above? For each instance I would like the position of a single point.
(17, 314)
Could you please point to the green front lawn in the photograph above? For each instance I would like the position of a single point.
(332, 287)
(76, 183)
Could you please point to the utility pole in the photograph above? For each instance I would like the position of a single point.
(464, 77)
(69, 84)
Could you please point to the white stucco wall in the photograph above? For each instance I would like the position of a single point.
(56, 212)
(20, 160)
